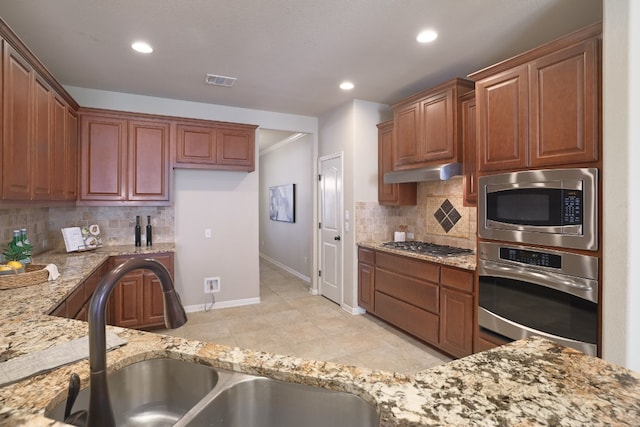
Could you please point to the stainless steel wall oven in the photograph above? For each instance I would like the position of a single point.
(526, 291)
(550, 207)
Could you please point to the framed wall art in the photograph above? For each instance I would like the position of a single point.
(282, 203)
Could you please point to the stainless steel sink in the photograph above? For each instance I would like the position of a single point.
(166, 392)
(249, 401)
(152, 392)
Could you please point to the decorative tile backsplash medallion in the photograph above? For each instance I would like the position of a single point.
(447, 215)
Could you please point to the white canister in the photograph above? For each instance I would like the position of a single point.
(399, 236)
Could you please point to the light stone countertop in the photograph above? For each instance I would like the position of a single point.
(530, 382)
(466, 262)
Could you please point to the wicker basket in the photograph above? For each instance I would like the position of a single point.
(33, 274)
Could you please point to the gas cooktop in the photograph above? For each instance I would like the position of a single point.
(428, 248)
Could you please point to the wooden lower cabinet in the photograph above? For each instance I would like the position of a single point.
(456, 322)
(366, 278)
(137, 301)
(430, 301)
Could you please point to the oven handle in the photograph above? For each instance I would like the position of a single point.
(583, 288)
(516, 331)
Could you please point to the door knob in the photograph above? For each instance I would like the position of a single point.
(336, 238)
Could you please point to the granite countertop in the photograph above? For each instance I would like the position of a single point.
(527, 383)
(466, 262)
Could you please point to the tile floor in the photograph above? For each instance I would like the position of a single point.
(290, 321)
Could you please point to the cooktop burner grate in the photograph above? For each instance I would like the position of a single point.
(428, 248)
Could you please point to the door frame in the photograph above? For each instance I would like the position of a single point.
(317, 290)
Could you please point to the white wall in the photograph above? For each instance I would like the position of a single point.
(351, 130)
(621, 138)
(226, 202)
(289, 245)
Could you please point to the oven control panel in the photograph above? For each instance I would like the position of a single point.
(531, 257)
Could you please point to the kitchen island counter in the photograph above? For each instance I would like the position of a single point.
(528, 382)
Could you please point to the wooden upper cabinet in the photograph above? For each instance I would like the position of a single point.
(215, 145)
(34, 127)
(542, 108)
(58, 148)
(236, 148)
(438, 128)
(103, 149)
(427, 127)
(17, 126)
(503, 122)
(148, 160)
(196, 144)
(406, 119)
(124, 159)
(42, 170)
(564, 102)
(72, 147)
(391, 194)
(468, 103)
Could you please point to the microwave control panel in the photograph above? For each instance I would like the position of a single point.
(522, 256)
(572, 201)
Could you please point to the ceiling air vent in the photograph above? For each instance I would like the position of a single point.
(216, 80)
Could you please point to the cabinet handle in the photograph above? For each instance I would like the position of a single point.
(336, 238)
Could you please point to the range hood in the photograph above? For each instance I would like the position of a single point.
(433, 173)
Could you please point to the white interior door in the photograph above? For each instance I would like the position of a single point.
(330, 219)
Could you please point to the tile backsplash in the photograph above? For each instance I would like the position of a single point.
(439, 217)
(116, 224)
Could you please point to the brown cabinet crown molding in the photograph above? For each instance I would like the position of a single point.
(12, 38)
(593, 30)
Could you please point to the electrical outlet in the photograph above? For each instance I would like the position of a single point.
(211, 285)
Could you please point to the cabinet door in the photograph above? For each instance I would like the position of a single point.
(564, 103)
(196, 144)
(148, 160)
(456, 322)
(469, 149)
(153, 306)
(366, 287)
(42, 170)
(406, 134)
(502, 108)
(127, 300)
(436, 137)
(71, 156)
(103, 161)
(235, 148)
(17, 126)
(59, 147)
(391, 194)
(153, 301)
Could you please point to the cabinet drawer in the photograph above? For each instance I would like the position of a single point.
(367, 256)
(408, 266)
(416, 292)
(420, 323)
(458, 279)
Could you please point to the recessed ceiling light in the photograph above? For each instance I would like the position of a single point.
(142, 47)
(427, 36)
(346, 86)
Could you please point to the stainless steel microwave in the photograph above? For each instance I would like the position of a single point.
(551, 207)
